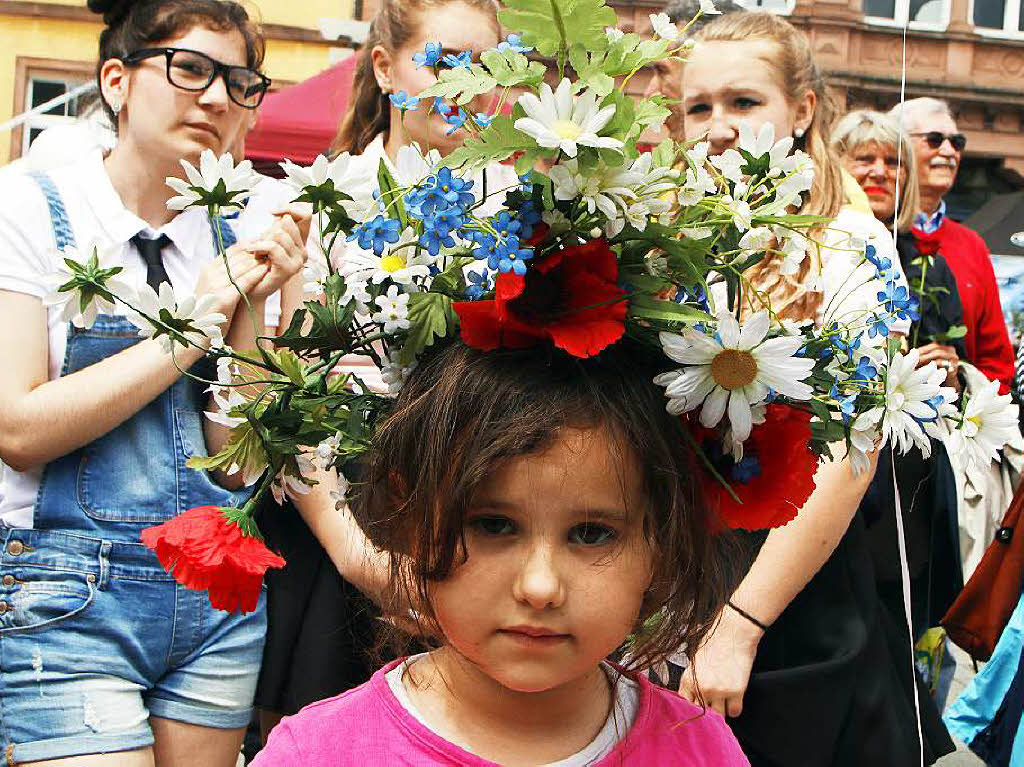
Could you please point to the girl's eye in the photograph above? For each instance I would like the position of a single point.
(744, 102)
(493, 525)
(694, 109)
(590, 534)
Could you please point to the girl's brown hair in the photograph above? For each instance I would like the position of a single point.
(796, 72)
(463, 412)
(135, 24)
(393, 26)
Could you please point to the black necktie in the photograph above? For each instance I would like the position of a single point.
(151, 252)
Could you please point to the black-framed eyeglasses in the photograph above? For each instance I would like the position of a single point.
(195, 71)
(935, 139)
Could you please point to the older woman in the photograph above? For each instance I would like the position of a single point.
(879, 156)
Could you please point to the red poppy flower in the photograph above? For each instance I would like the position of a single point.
(569, 297)
(776, 476)
(206, 549)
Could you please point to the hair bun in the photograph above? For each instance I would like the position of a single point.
(113, 10)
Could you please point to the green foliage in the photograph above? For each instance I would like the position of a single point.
(499, 142)
(461, 84)
(329, 329)
(391, 195)
(510, 68)
(430, 316)
(551, 25)
(647, 307)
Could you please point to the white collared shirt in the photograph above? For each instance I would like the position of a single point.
(96, 214)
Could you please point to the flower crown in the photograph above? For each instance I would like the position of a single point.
(609, 241)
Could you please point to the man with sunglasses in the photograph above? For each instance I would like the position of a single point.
(939, 147)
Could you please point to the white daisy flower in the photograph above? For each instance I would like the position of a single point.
(707, 7)
(793, 246)
(663, 27)
(756, 240)
(226, 399)
(865, 433)
(730, 164)
(763, 143)
(913, 397)
(193, 318)
(613, 34)
(298, 177)
(356, 290)
(733, 370)
(739, 210)
(217, 183)
(558, 120)
(399, 263)
(989, 425)
(394, 310)
(326, 451)
(394, 373)
(287, 484)
(80, 303)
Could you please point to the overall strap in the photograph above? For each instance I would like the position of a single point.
(62, 231)
(227, 234)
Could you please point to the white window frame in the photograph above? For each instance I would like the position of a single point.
(901, 14)
(43, 121)
(1011, 11)
(29, 68)
(752, 6)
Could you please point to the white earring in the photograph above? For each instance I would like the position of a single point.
(116, 108)
(799, 133)
(384, 89)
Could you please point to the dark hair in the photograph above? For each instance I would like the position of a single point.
(135, 24)
(681, 11)
(369, 110)
(463, 412)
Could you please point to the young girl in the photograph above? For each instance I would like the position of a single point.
(555, 516)
(803, 638)
(319, 625)
(106, 661)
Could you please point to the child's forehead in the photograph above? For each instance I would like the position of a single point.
(581, 469)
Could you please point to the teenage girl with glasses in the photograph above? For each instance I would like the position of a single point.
(106, 661)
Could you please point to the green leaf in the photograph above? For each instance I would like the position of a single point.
(290, 365)
(510, 68)
(499, 142)
(650, 112)
(430, 315)
(664, 155)
(391, 195)
(550, 25)
(461, 84)
(645, 306)
(452, 280)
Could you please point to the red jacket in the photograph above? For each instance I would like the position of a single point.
(988, 342)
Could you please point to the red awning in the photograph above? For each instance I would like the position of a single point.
(300, 122)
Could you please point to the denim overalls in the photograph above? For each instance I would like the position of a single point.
(94, 635)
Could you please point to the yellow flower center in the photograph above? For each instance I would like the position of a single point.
(734, 368)
(566, 129)
(392, 263)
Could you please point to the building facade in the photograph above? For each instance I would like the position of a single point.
(48, 47)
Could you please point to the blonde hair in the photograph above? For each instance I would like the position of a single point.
(369, 110)
(796, 73)
(864, 126)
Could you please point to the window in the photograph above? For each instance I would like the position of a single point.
(919, 13)
(999, 15)
(775, 6)
(37, 81)
(41, 90)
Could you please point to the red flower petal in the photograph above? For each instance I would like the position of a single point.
(207, 550)
(782, 446)
(582, 309)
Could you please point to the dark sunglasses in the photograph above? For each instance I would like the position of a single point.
(935, 138)
(195, 71)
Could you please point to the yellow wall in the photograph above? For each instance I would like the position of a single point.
(66, 40)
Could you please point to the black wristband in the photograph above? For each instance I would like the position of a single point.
(748, 616)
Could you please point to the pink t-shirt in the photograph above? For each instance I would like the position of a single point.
(367, 727)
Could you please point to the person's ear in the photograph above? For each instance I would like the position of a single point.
(382, 63)
(115, 81)
(804, 114)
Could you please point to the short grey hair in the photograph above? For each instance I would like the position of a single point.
(862, 126)
(908, 111)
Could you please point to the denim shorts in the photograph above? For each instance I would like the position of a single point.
(95, 638)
